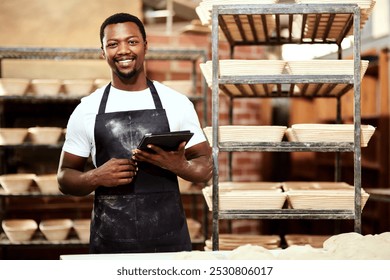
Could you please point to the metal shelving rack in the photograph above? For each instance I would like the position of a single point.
(324, 15)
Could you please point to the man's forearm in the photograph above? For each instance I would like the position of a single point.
(198, 170)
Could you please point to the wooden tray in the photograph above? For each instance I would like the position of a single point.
(317, 25)
(324, 199)
(232, 241)
(315, 241)
(241, 67)
(331, 133)
(296, 185)
(247, 133)
(324, 67)
(246, 199)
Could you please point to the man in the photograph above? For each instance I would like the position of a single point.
(137, 205)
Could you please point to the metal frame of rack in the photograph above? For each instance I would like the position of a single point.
(350, 80)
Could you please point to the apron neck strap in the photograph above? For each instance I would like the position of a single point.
(156, 98)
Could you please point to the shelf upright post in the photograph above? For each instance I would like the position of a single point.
(337, 169)
(204, 88)
(215, 124)
(337, 172)
(357, 118)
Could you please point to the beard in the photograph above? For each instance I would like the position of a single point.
(126, 75)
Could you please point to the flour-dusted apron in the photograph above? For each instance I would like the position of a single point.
(146, 215)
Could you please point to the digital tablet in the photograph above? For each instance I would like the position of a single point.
(168, 141)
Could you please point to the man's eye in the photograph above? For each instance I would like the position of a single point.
(133, 42)
(111, 45)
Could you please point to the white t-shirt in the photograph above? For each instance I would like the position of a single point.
(181, 114)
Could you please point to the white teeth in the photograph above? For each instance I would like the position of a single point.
(125, 62)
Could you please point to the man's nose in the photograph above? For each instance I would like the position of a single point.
(124, 48)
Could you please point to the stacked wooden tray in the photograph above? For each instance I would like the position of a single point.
(316, 241)
(329, 133)
(317, 26)
(325, 68)
(239, 28)
(232, 241)
(247, 196)
(226, 186)
(317, 67)
(13, 86)
(324, 199)
(363, 4)
(290, 135)
(297, 185)
(242, 67)
(247, 133)
(312, 27)
(322, 195)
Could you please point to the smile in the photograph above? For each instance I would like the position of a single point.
(126, 62)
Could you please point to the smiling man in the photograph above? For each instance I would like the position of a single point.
(137, 205)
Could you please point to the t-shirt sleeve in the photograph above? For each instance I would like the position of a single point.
(190, 121)
(76, 137)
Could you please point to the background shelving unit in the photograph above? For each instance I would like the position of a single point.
(248, 26)
(192, 55)
(21, 102)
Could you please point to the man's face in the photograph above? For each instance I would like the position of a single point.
(124, 49)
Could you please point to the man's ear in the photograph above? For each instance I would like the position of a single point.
(146, 45)
(103, 55)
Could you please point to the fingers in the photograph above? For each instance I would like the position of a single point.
(128, 169)
(155, 150)
(120, 171)
(127, 164)
(127, 174)
(182, 146)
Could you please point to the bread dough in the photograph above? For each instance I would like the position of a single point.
(198, 255)
(345, 246)
(250, 252)
(303, 252)
(354, 246)
(341, 240)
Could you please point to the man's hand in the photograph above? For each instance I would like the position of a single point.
(192, 164)
(165, 159)
(116, 172)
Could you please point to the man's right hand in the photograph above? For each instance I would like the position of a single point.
(116, 172)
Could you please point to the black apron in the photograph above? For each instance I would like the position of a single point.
(146, 215)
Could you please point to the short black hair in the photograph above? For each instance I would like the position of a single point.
(120, 18)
